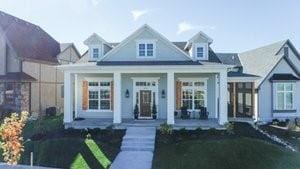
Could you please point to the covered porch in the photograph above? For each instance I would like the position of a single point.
(192, 124)
(113, 100)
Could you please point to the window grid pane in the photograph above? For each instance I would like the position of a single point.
(284, 96)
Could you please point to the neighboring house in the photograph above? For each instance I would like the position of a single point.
(146, 69)
(29, 79)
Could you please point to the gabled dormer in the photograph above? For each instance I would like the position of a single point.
(198, 46)
(97, 47)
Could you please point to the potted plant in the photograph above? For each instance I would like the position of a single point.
(154, 111)
(136, 111)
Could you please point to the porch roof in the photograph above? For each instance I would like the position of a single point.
(129, 63)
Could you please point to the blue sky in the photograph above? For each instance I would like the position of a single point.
(234, 25)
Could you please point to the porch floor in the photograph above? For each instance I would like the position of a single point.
(190, 124)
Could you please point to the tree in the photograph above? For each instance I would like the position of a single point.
(11, 137)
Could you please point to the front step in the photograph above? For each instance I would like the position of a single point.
(137, 148)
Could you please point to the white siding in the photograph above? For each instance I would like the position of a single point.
(265, 102)
(164, 52)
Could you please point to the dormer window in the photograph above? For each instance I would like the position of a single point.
(95, 53)
(146, 48)
(200, 52)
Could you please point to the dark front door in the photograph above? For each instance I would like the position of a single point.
(145, 104)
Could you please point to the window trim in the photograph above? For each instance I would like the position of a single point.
(98, 89)
(275, 98)
(100, 51)
(205, 51)
(194, 88)
(146, 42)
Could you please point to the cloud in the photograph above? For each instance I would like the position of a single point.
(95, 2)
(136, 14)
(185, 26)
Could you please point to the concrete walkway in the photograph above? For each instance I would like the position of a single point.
(137, 149)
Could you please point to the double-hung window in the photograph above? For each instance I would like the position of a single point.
(193, 94)
(284, 96)
(100, 95)
(95, 53)
(200, 52)
(146, 49)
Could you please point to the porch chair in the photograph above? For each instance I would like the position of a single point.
(185, 114)
(203, 113)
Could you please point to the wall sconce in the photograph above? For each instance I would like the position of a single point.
(127, 93)
(163, 94)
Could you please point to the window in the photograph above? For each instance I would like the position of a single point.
(193, 94)
(200, 52)
(95, 53)
(100, 95)
(146, 49)
(284, 96)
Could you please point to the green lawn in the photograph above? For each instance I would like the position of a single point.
(53, 146)
(246, 149)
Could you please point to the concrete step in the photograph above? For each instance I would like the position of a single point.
(138, 141)
(135, 139)
(137, 144)
(137, 148)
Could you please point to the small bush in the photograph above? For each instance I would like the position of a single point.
(229, 128)
(297, 121)
(89, 136)
(212, 131)
(275, 121)
(291, 126)
(166, 129)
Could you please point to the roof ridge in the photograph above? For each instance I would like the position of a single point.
(264, 46)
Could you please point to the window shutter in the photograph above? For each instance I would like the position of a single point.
(178, 95)
(112, 95)
(85, 95)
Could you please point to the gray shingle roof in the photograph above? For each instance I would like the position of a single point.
(229, 58)
(262, 60)
(29, 41)
(126, 63)
(283, 76)
(212, 57)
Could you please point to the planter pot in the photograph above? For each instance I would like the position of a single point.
(154, 116)
(136, 116)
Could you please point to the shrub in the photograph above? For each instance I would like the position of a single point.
(297, 121)
(212, 130)
(291, 126)
(11, 137)
(166, 129)
(229, 128)
(275, 121)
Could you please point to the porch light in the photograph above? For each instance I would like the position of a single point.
(127, 93)
(163, 94)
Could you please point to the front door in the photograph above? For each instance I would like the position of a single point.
(145, 104)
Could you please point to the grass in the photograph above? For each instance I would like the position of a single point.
(212, 149)
(53, 146)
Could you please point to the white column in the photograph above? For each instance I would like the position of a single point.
(223, 97)
(68, 97)
(217, 93)
(76, 96)
(117, 97)
(170, 98)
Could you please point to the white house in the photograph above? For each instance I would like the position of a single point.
(146, 68)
